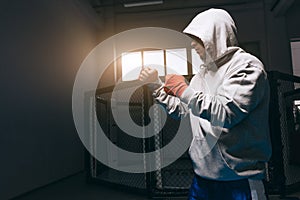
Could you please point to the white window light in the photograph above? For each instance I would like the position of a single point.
(176, 61)
(155, 59)
(295, 48)
(131, 65)
(142, 3)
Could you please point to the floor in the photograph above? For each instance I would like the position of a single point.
(76, 188)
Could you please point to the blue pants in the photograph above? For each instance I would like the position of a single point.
(203, 189)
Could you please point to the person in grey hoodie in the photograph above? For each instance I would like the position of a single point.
(227, 102)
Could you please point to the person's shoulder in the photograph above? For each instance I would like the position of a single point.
(243, 58)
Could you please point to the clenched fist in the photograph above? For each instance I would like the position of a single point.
(148, 75)
(175, 85)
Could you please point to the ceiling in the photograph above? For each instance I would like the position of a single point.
(170, 3)
(279, 7)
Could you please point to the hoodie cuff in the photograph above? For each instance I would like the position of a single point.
(187, 95)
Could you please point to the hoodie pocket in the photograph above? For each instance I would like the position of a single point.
(201, 147)
(240, 164)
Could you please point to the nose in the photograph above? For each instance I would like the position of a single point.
(193, 43)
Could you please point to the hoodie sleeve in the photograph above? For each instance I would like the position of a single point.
(173, 105)
(242, 90)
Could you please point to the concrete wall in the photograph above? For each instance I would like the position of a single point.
(42, 44)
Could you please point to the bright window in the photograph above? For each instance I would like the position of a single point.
(131, 65)
(165, 61)
(295, 47)
(176, 61)
(155, 59)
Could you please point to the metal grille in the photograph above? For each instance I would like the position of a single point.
(175, 179)
(283, 172)
(172, 180)
(97, 171)
(180, 173)
(292, 171)
(157, 145)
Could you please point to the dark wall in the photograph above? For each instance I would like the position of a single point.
(42, 44)
(293, 17)
(278, 43)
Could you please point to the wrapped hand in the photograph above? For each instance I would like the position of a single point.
(175, 85)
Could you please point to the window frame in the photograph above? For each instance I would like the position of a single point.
(188, 58)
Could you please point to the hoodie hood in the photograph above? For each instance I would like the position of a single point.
(217, 30)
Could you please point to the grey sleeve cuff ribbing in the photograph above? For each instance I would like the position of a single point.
(187, 95)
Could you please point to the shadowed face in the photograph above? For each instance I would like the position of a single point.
(198, 45)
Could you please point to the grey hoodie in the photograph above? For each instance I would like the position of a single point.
(227, 102)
